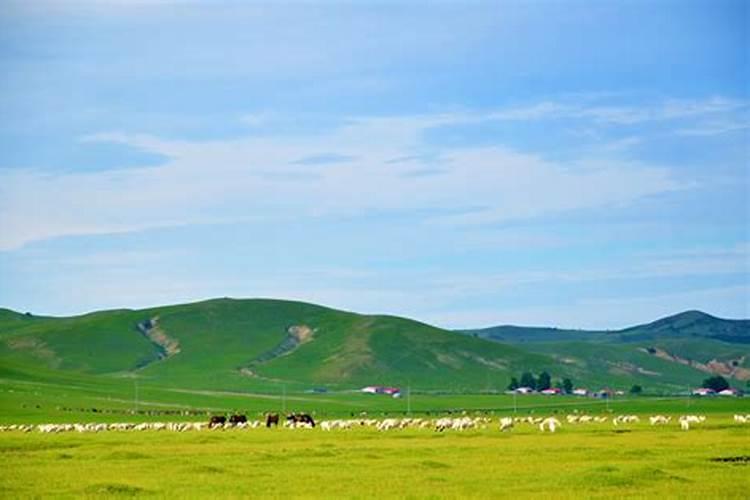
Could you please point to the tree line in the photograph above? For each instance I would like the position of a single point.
(540, 383)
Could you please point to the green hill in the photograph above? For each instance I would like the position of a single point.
(665, 351)
(235, 344)
(262, 344)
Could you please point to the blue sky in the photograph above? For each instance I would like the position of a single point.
(579, 164)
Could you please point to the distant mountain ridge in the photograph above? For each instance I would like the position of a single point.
(689, 339)
(681, 325)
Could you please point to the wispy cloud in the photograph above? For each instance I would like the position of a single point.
(324, 159)
(668, 110)
(253, 177)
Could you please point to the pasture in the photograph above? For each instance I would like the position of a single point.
(591, 460)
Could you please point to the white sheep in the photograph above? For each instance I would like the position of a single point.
(551, 423)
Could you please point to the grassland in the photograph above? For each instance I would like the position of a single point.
(578, 461)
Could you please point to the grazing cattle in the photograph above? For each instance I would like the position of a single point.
(217, 420)
(238, 419)
(300, 420)
(742, 419)
(272, 419)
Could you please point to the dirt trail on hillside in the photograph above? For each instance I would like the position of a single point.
(166, 345)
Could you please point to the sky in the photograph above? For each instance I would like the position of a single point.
(576, 164)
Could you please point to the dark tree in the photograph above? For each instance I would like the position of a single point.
(717, 383)
(513, 384)
(543, 382)
(528, 380)
(567, 386)
(636, 389)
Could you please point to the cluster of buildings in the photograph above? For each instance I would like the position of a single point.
(379, 389)
(705, 391)
(556, 391)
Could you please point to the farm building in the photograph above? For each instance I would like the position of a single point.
(378, 389)
(703, 391)
(729, 392)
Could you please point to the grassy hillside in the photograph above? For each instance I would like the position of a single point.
(262, 345)
(684, 348)
(235, 344)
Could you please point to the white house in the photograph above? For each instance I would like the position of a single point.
(703, 391)
(524, 390)
(729, 392)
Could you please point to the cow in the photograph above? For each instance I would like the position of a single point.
(216, 421)
(237, 419)
(272, 419)
(300, 420)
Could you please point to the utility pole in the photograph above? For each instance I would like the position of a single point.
(408, 398)
(515, 402)
(136, 395)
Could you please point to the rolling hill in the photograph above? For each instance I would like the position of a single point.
(236, 344)
(692, 340)
(259, 344)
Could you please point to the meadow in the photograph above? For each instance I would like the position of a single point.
(592, 460)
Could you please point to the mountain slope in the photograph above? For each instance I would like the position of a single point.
(669, 349)
(243, 343)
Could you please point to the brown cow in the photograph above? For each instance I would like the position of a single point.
(272, 419)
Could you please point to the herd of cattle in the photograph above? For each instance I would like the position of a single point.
(305, 421)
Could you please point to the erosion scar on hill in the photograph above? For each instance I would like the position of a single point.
(296, 335)
(165, 345)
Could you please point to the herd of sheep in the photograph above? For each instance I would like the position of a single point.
(545, 424)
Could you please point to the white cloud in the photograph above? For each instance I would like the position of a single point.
(256, 177)
(673, 109)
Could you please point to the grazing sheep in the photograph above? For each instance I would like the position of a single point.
(686, 420)
(506, 424)
(551, 423)
(659, 420)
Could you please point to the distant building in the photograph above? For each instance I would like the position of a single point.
(729, 392)
(604, 393)
(552, 391)
(378, 389)
(580, 392)
(703, 391)
(524, 390)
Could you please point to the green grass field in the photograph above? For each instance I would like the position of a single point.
(593, 460)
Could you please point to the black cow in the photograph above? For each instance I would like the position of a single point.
(272, 419)
(217, 420)
(300, 418)
(237, 419)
